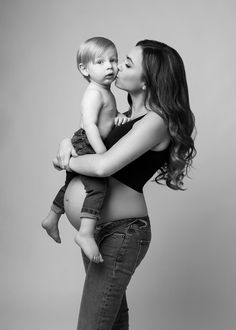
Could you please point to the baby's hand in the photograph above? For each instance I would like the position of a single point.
(121, 119)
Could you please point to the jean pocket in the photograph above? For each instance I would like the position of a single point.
(114, 239)
(131, 253)
(141, 228)
(110, 246)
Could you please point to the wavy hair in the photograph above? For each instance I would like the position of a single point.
(167, 95)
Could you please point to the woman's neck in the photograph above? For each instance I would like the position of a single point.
(138, 108)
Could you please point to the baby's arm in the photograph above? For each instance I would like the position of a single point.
(91, 106)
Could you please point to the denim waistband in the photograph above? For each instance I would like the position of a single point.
(121, 222)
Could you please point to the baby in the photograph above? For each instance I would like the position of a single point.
(97, 61)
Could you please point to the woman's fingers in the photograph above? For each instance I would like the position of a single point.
(56, 164)
(74, 153)
(64, 153)
(63, 160)
(97, 259)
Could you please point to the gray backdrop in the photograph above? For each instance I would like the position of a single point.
(187, 280)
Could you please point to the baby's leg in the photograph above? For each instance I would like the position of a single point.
(50, 224)
(86, 241)
(95, 193)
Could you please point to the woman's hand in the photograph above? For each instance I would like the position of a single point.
(65, 152)
(56, 164)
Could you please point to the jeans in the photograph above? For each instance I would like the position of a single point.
(95, 188)
(123, 244)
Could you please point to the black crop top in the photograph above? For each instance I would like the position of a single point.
(138, 172)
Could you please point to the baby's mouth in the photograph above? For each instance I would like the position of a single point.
(109, 75)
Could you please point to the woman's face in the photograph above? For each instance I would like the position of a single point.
(130, 72)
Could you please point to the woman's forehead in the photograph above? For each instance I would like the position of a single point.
(135, 55)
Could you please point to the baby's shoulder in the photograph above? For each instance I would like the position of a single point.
(92, 95)
(92, 92)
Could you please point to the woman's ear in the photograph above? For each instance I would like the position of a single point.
(83, 69)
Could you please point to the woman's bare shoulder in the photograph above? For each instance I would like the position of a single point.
(155, 125)
(151, 120)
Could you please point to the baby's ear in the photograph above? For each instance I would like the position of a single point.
(83, 69)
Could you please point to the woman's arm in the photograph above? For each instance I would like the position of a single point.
(145, 134)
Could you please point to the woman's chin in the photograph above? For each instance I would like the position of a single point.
(73, 201)
(117, 83)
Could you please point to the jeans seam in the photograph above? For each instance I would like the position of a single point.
(103, 307)
(138, 254)
(89, 210)
(118, 254)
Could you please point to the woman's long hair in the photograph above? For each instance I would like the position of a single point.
(167, 95)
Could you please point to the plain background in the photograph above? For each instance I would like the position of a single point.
(187, 280)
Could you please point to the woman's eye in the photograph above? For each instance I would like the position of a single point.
(99, 61)
(127, 64)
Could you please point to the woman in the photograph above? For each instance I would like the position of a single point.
(157, 139)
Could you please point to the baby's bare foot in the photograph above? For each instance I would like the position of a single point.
(50, 224)
(89, 246)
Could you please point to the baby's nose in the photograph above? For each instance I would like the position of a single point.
(108, 64)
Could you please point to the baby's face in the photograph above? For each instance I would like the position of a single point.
(103, 69)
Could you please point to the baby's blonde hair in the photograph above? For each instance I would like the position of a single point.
(92, 48)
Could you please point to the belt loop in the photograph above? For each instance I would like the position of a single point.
(131, 223)
(144, 221)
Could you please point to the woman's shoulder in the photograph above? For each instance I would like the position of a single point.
(153, 125)
(151, 119)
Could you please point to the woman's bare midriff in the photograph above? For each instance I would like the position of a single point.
(121, 202)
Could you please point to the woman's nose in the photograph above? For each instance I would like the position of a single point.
(119, 66)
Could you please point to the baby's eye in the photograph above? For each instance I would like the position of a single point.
(99, 61)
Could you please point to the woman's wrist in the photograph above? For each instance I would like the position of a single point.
(69, 169)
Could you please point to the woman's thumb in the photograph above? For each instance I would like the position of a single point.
(73, 153)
